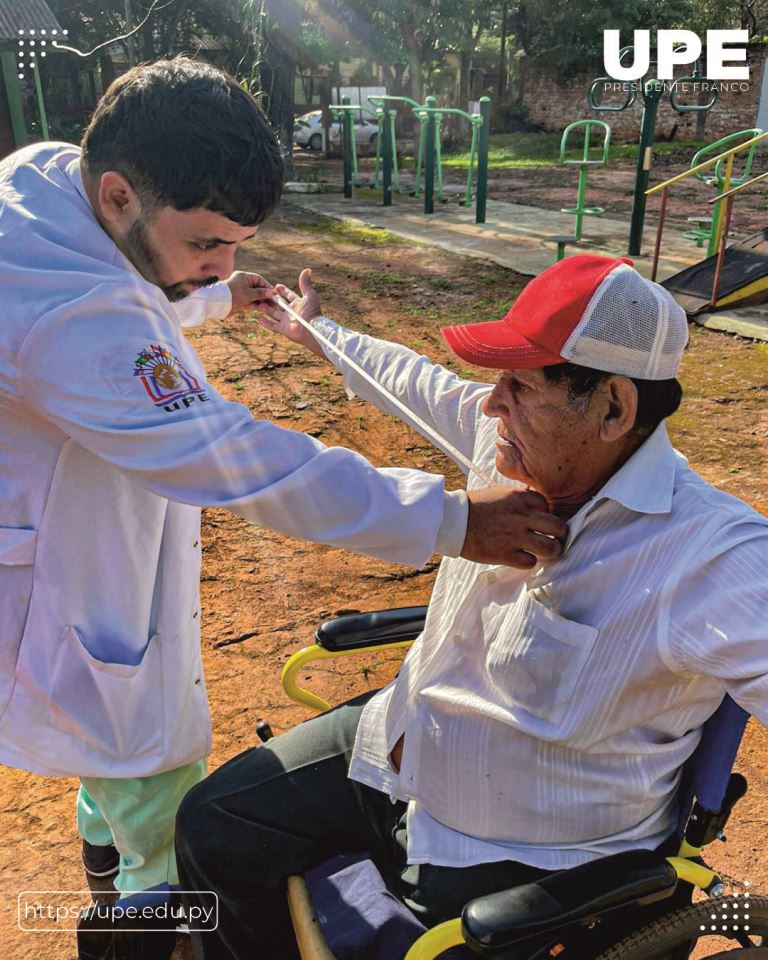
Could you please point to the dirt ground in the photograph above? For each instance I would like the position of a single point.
(263, 594)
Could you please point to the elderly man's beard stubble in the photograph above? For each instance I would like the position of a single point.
(146, 259)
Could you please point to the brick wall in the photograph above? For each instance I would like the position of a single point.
(553, 104)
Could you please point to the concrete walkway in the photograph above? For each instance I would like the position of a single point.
(515, 236)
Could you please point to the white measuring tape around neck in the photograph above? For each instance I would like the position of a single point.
(439, 441)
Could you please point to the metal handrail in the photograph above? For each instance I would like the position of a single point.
(722, 239)
(707, 163)
(741, 186)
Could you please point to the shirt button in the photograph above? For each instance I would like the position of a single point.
(194, 615)
(194, 545)
(417, 699)
(456, 639)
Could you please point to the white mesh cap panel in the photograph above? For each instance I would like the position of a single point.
(632, 327)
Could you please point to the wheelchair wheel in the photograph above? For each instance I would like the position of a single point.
(665, 939)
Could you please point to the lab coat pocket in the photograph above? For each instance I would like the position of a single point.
(115, 707)
(17, 546)
(536, 660)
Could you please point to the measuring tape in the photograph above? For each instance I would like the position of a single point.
(440, 442)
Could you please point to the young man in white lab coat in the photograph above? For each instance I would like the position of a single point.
(111, 440)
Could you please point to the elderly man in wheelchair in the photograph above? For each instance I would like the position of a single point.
(523, 786)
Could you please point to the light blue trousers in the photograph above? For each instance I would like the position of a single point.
(138, 816)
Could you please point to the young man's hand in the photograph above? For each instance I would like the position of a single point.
(512, 527)
(249, 291)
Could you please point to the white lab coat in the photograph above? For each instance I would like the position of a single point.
(110, 441)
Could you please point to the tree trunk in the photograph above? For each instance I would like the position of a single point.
(465, 64)
(107, 69)
(414, 76)
(502, 84)
(278, 72)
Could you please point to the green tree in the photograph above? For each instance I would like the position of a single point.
(570, 33)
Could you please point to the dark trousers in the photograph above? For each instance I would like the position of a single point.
(283, 808)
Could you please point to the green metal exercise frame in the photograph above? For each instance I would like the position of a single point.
(652, 90)
(432, 117)
(580, 210)
(429, 157)
(345, 113)
(387, 116)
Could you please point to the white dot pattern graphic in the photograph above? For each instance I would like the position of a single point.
(729, 910)
(29, 40)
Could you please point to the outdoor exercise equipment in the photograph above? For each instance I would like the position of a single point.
(709, 227)
(429, 155)
(345, 113)
(737, 275)
(432, 117)
(581, 210)
(386, 145)
(652, 91)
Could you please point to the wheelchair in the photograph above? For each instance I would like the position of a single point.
(636, 905)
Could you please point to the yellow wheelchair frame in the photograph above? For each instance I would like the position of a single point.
(687, 864)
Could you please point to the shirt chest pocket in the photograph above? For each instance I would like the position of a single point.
(535, 657)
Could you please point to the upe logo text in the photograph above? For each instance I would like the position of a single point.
(676, 47)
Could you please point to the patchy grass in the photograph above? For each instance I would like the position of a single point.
(520, 150)
(379, 281)
(349, 232)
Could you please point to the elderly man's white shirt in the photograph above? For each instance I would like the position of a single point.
(111, 439)
(547, 714)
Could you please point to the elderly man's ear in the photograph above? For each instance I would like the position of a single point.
(620, 409)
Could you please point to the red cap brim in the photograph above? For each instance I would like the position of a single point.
(497, 346)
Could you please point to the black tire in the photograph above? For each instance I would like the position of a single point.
(315, 142)
(658, 939)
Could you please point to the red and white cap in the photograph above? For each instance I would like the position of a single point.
(592, 311)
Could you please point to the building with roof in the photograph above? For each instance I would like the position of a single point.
(17, 19)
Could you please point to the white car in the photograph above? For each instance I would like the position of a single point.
(308, 131)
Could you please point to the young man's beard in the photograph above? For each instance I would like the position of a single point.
(143, 256)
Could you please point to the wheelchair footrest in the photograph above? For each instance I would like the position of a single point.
(534, 913)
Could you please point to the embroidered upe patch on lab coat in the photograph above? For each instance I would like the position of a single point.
(164, 376)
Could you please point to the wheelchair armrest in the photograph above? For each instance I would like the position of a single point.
(371, 629)
(531, 913)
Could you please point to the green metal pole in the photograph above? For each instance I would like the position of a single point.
(393, 141)
(346, 150)
(651, 95)
(580, 194)
(714, 234)
(379, 138)
(429, 160)
(13, 94)
(482, 160)
(40, 102)
(386, 176)
(420, 156)
(471, 170)
(439, 156)
(353, 142)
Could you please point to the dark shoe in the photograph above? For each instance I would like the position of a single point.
(100, 936)
(100, 861)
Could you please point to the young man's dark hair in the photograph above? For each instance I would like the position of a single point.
(187, 135)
